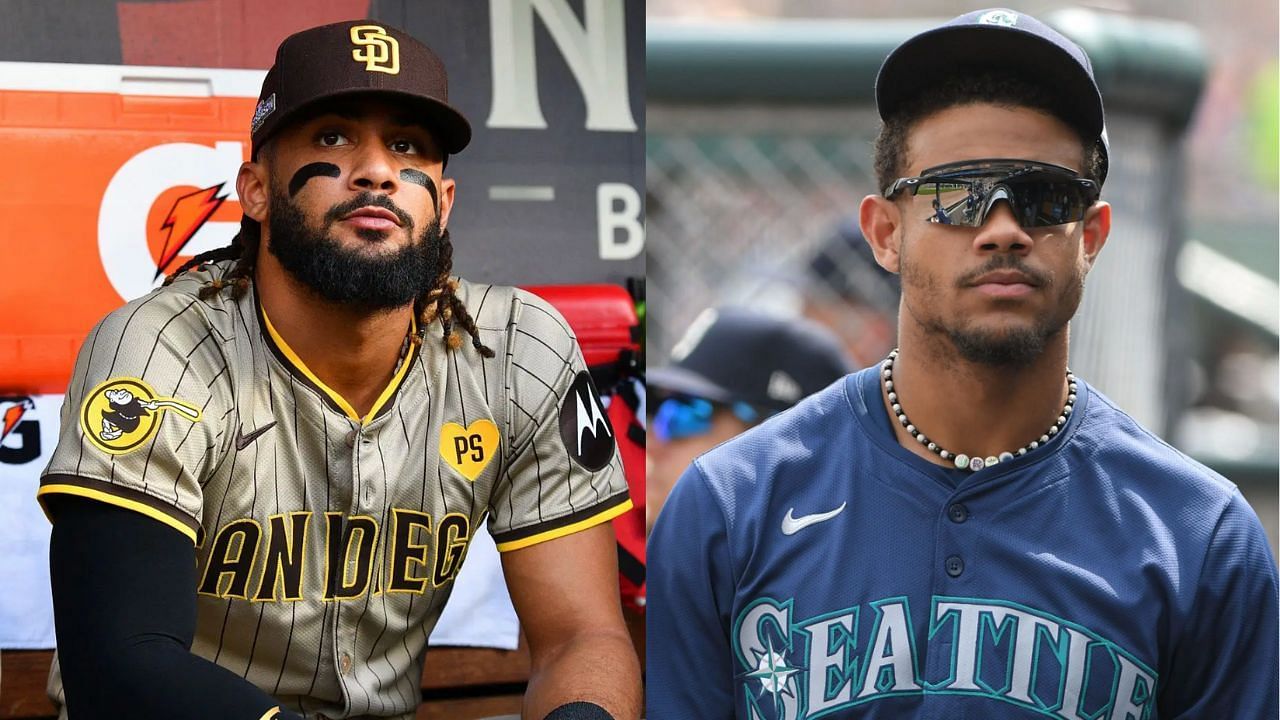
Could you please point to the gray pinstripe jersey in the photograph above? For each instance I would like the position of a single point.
(327, 543)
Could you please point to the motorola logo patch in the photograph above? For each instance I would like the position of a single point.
(584, 427)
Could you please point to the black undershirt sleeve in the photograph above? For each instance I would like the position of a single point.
(579, 711)
(124, 607)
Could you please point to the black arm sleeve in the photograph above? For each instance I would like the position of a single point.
(124, 609)
(579, 711)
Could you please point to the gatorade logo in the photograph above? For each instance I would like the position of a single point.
(19, 430)
(164, 205)
(376, 49)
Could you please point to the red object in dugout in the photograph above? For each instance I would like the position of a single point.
(630, 526)
(601, 316)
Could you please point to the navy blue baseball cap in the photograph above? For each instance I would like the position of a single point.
(845, 267)
(998, 39)
(733, 355)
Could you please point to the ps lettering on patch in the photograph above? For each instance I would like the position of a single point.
(469, 449)
(584, 426)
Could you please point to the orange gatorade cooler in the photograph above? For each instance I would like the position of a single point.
(114, 176)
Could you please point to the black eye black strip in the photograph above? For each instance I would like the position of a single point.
(418, 177)
(310, 170)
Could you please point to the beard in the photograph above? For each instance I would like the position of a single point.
(349, 276)
(1011, 346)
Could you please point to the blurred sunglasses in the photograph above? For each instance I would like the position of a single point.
(683, 417)
(963, 193)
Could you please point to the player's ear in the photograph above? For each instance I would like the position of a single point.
(1097, 226)
(251, 187)
(447, 188)
(880, 219)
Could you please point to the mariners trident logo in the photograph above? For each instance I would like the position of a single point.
(376, 49)
(123, 413)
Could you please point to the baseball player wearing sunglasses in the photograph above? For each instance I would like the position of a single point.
(967, 530)
(734, 368)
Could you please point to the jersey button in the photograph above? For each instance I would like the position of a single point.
(958, 513)
(351, 439)
(344, 664)
(955, 566)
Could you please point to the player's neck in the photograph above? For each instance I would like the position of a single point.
(353, 353)
(972, 408)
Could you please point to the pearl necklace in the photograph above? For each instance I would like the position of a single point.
(962, 461)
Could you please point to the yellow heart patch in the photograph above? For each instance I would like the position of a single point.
(469, 449)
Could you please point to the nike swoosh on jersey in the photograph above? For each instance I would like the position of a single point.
(792, 525)
(243, 441)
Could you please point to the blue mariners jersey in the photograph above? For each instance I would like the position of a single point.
(812, 567)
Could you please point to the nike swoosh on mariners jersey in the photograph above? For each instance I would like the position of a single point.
(243, 441)
(792, 525)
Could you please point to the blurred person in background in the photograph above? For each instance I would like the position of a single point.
(846, 290)
(733, 369)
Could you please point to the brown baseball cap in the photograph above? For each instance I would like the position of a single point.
(351, 58)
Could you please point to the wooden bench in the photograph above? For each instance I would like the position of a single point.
(457, 683)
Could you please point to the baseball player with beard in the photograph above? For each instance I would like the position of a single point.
(270, 469)
(967, 529)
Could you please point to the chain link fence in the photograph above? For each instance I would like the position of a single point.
(740, 199)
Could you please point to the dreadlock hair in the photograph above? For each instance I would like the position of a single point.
(440, 301)
(962, 87)
(243, 249)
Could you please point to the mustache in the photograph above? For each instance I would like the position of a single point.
(1005, 262)
(368, 199)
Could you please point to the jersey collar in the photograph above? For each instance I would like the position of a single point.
(294, 364)
(863, 390)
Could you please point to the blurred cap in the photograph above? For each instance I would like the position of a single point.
(352, 58)
(997, 39)
(845, 267)
(731, 355)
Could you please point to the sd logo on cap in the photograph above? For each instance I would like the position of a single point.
(376, 49)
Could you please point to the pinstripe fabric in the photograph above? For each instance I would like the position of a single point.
(327, 545)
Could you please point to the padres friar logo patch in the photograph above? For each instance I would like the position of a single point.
(376, 49)
(584, 427)
(469, 449)
(122, 414)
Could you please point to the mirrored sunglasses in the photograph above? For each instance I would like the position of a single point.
(963, 193)
(683, 417)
